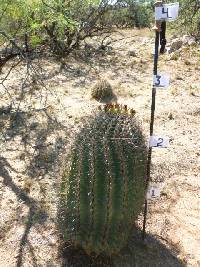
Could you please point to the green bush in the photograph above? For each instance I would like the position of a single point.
(103, 185)
(56, 23)
(63, 24)
(131, 13)
(189, 19)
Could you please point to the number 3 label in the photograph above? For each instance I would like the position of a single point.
(161, 81)
(167, 12)
(157, 141)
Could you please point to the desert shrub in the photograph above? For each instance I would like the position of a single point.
(103, 185)
(189, 20)
(60, 25)
(57, 27)
(63, 24)
(131, 13)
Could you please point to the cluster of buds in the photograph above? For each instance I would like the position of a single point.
(117, 108)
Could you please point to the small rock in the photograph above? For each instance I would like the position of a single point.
(175, 45)
(192, 43)
(179, 78)
(189, 40)
(187, 62)
(132, 53)
(185, 39)
(170, 116)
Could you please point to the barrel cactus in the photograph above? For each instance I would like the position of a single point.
(103, 186)
(102, 90)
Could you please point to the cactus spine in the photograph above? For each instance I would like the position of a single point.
(103, 189)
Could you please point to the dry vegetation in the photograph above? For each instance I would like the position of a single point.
(37, 130)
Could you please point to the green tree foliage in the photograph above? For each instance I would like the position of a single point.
(189, 20)
(131, 13)
(62, 24)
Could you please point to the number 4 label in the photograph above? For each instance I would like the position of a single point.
(161, 81)
(167, 12)
(158, 141)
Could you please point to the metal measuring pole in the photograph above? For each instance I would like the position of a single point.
(159, 27)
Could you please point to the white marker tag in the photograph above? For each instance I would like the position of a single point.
(161, 81)
(153, 192)
(167, 12)
(158, 141)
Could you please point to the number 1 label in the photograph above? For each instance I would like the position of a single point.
(161, 81)
(153, 192)
(158, 141)
(167, 12)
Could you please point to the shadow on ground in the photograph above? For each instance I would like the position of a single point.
(40, 143)
(44, 153)
(151, 253)
(39, 155)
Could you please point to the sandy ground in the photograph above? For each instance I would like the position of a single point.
(35, 139)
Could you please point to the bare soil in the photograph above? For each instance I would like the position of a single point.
(37, 132)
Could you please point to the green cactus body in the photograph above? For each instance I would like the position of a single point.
(103, 189)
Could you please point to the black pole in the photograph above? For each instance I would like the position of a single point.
(163, 41)
(148, 170)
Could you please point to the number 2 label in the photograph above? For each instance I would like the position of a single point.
(158, 141)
